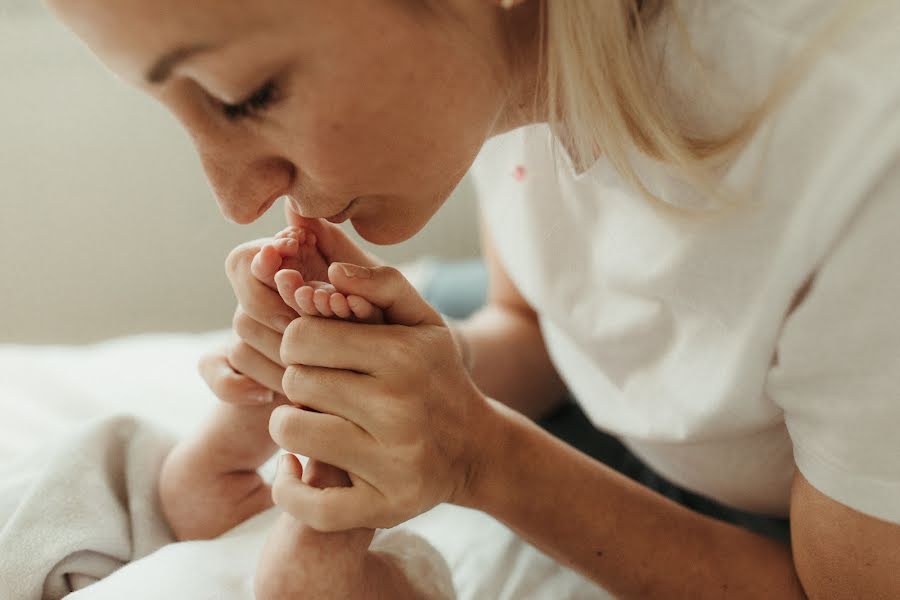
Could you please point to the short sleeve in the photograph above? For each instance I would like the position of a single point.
(838, 373)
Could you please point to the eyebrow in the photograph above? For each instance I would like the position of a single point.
(163, 67)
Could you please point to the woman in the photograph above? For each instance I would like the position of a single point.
(703, 250)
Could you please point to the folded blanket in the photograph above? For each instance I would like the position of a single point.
(75, 513)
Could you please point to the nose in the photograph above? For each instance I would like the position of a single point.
(245, 187)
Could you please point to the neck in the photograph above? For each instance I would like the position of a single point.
(525, 44)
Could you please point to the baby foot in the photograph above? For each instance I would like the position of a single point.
(293, 248)
(321, 299)
(299, 562)
(293, 264)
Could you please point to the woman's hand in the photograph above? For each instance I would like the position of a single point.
(396, 409)
(262, 315)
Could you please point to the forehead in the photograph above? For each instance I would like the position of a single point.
(129, 35)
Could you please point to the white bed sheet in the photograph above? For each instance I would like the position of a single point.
(45, 391)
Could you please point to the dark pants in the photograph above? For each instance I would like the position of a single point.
(458, 289)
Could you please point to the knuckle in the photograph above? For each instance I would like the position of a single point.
(235, 259)
(293, 332)
(292, 381)
(400, 351)
(281, 426)
(242, 323)
(299, 329)
(229, 388)
(237, 355)
(240, 257)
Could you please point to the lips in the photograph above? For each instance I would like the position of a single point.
(343, 215)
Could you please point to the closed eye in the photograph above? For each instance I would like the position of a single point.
(255, 105)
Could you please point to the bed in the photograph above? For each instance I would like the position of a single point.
(49, 392)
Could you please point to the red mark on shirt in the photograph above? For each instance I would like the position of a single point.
(519, 173)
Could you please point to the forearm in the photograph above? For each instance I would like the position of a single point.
(509, 361)
(629, 539)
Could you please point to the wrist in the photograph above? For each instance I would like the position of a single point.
(491, 442)
(463, 347)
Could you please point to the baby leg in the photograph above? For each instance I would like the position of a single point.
(299, 562)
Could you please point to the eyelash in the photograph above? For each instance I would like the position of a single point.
(255, 105)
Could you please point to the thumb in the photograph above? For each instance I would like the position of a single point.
(386, 288)
(334, 244)
(288, 467)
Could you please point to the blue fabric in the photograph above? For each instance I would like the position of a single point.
(458, 289)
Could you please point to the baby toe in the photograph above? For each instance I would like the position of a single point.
(304, 299)
(322, 300)
(339, 306)
(363, 310)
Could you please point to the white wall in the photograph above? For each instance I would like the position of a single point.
(107, 226)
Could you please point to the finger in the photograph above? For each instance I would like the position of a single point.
(325, 437)
(248, 362)
(230, 386)
(263, 304)
(287, 282)
(322, 300)
(322, 475)
(336, 344)
(386, 288)
(290, 463)
(336, 392)
(329, 509)
(259, 301)
(264, 340)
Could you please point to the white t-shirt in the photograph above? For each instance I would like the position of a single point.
(674, 328)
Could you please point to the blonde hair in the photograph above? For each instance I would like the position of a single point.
(603, 99)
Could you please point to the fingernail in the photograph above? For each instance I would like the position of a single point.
(355, 272)
(281, 323)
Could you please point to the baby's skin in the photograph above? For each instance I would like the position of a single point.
(209, 482)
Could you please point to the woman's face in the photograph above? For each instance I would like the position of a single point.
(367, 109)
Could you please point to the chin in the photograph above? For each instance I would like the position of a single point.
(380, 233)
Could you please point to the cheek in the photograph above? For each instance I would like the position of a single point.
(368, 149)
(391, 220)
